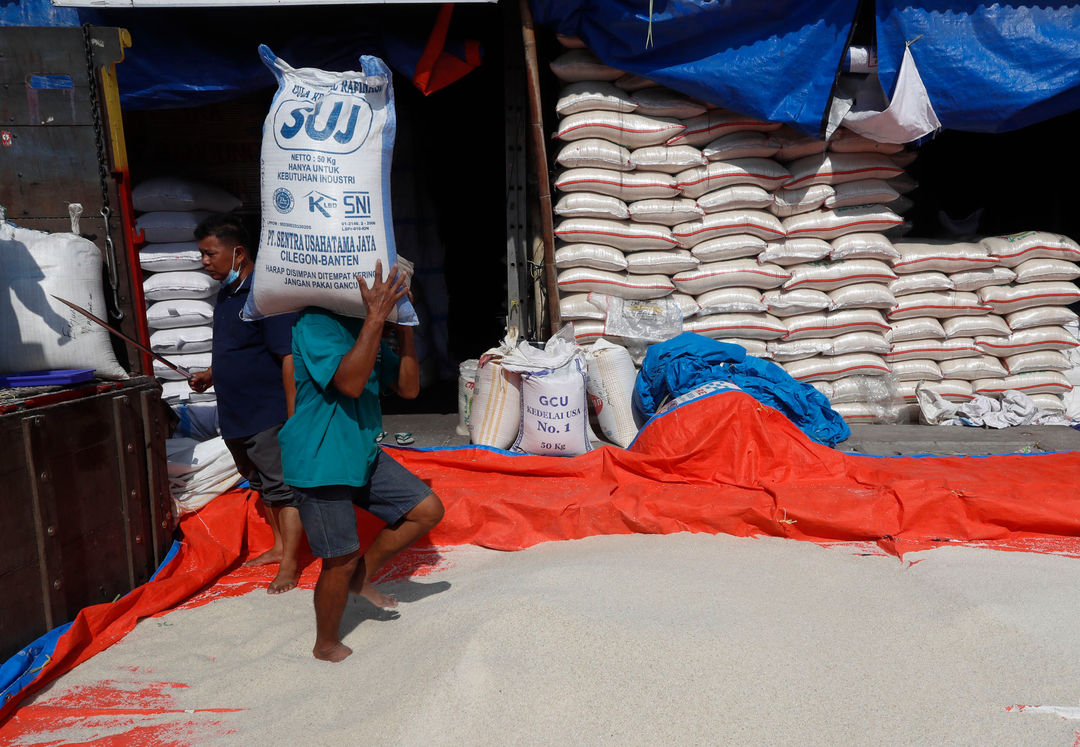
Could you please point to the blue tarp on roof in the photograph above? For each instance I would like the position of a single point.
(773, 60)
(194, 56)
(987, 67)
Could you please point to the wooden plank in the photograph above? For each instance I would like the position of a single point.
(159, 498)
(18, 547)
(130, 455)
(22, 592)
(46, 520)
(95, 567)
(96, 561)
(20, 567)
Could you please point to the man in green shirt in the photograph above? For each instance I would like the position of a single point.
(331, 456)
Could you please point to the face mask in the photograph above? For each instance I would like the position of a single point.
(234, 273)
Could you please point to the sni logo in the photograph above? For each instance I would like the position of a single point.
(319, 202)
(357, 204)
(333, 125)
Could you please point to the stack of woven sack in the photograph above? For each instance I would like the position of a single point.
(791, 247)
(180, 295)
(997, 320)
(761, 235)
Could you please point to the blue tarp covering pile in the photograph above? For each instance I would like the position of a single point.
(987, 67)
(775, 61)
(683, 363)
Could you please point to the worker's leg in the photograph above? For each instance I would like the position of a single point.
(329, 521)
(409, 508)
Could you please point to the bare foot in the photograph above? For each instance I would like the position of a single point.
(268, 557)
(283, 581)
(335, 652)
(376, 597)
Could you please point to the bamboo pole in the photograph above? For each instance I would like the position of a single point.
(539, 153)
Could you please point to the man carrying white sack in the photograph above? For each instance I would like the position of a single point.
(252, 376)
(333, 460)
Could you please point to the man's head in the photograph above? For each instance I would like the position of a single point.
(225, 245)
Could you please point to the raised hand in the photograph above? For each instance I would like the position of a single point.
(382, 295)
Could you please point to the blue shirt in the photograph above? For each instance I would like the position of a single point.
(247, 375)
(331, 437)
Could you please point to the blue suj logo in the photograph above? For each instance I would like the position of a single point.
(331, 125)
(357, 204)
(320, 203)
(283, 200)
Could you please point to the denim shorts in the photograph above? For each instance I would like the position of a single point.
(258, 458)
(327, 511)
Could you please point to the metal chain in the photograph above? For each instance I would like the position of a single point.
(103, 173)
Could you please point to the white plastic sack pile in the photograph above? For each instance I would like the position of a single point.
(198, 420)
(39, 333)
(554, 411)
(199, 471)
(174, 193)
(327, 145)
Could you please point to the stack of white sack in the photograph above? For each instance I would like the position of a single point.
(180, 295)
(983, 318)
(199, 471)
(762, 236)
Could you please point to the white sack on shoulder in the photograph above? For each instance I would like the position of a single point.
(327, 145)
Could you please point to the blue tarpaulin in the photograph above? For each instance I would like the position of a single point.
(683, 363)
(987, 67)
(772, 60)
(193, 56)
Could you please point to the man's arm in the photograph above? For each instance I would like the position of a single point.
(288, 381)
(407, 385)
(355, 368)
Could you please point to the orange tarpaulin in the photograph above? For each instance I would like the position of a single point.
(720, 463)
(726, 463)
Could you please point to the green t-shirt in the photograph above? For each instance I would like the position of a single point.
(330, 439)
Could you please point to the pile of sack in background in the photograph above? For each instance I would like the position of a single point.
(753, 233)
(180, 295)
(180, 298)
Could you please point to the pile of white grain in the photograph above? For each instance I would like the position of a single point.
(679, 639)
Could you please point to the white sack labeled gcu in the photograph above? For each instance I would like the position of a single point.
(327, 146)
(554, 414)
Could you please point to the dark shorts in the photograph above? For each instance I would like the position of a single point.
(258, 458)
(327, 512)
